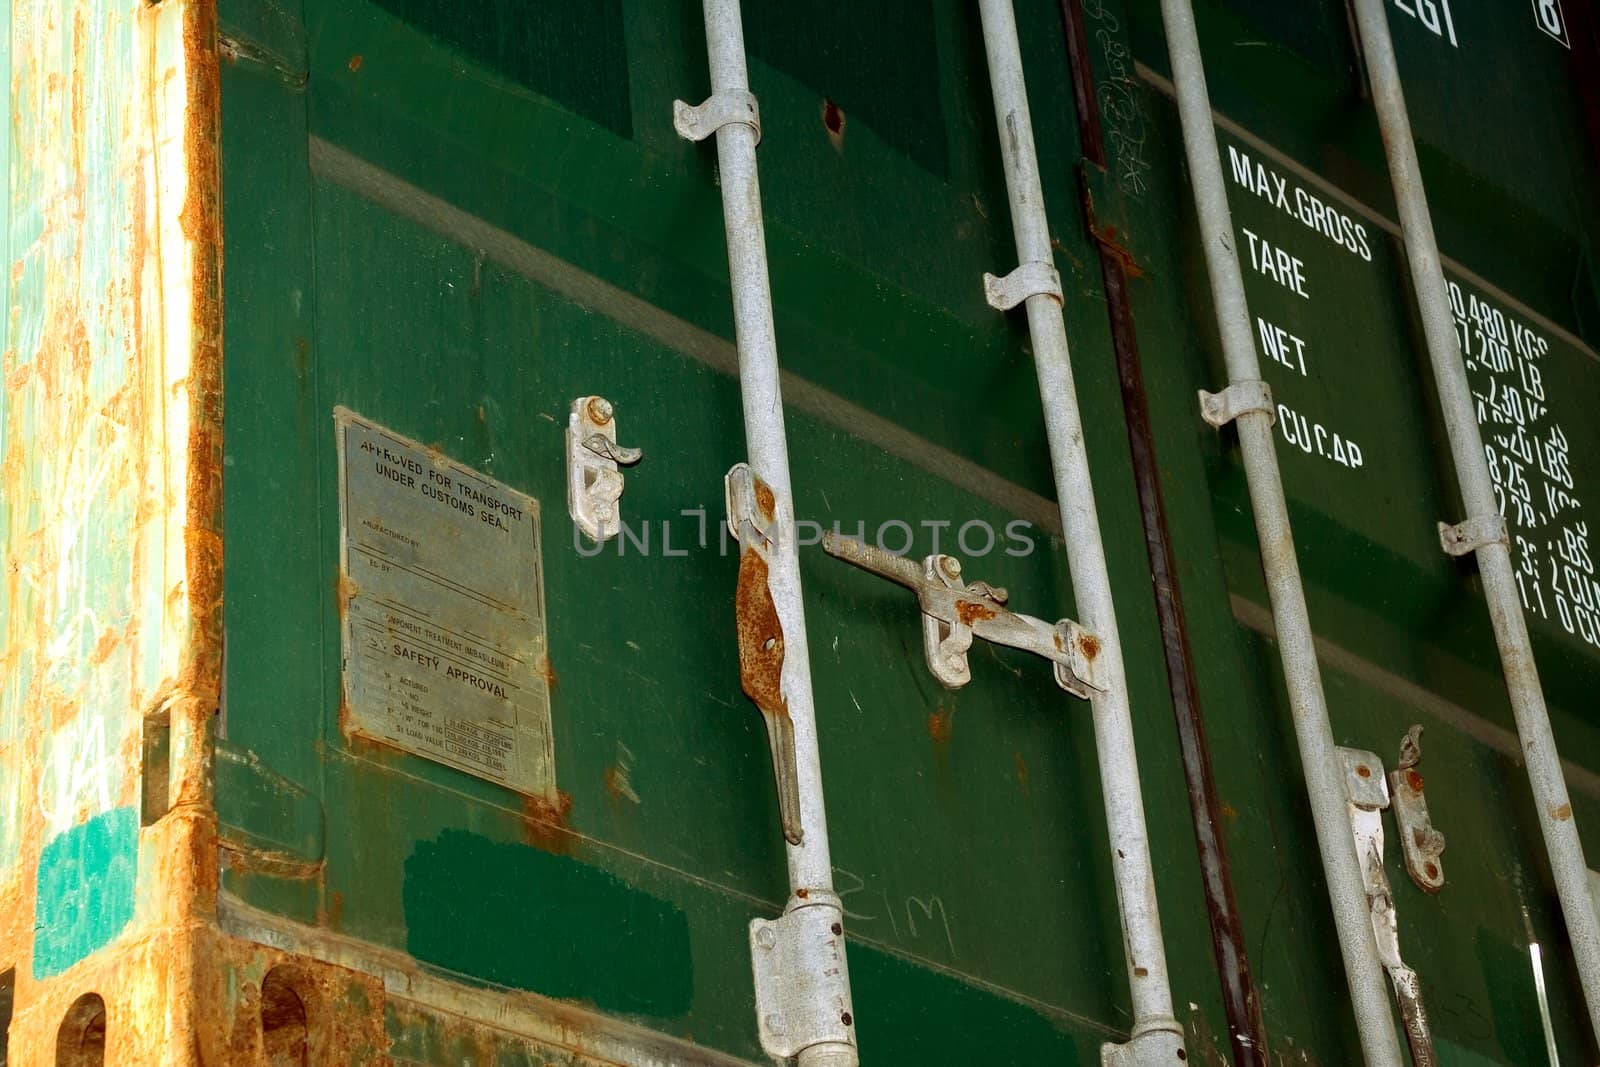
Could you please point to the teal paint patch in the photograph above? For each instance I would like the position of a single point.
(86, 884)
(924, 1018)
(516, 916)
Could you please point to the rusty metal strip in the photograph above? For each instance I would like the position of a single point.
(760, 636)
(1246, 1027)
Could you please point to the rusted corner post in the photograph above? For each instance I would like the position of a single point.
(111, 498)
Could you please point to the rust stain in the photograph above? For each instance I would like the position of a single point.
(1090, 644)
(345, 590)
(1109, 240)
(833, 121)
(109, 640)
(1022, 770)
(765, 500)
(1562, 814)
(1228, 812)
(760, 634)
(550, 678)
(941, 723)
(545, 823)
(973, 611)
(333, 917)
(355, 63)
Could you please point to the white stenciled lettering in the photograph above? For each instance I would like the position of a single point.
(1288, 271)
(1530, 461)
(1552, 20)
(1315, 439)
(1300, 204)
(1433, 14)
(1281, 346)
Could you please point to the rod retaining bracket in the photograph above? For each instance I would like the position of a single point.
(801, 979)
(1469, 535)
(696, 123)
(1034, 278)
(1157, 1041)
(1239, 398)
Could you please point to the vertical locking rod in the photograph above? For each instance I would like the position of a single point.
(1156, 1036)
(1308, 706)
(1477, 494)
(810, 868)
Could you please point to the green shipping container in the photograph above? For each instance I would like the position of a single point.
(327, 736)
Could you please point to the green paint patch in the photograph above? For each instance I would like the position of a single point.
(516, 916)
(533, 42)
(86, 885)
(925, 1018)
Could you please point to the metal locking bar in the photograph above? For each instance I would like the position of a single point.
(1367, 795)
(954, 613)
(594, 484)
(1421, 844)
(753, 519)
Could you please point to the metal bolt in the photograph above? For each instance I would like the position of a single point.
(837, 929)
(1432, 869)
(951, 567)
(846, 1018)
(766, 938)
(599, 410)
(1363, 771)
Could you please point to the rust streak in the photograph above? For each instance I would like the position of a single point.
(545, 823)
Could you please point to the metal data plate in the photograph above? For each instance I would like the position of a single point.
(444, 625)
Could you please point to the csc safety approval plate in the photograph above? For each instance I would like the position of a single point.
(444, 624)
